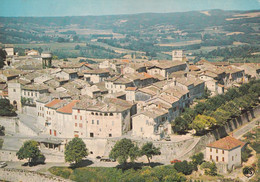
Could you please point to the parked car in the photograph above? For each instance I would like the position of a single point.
(3, 164)
(107, 159)
(175, 161)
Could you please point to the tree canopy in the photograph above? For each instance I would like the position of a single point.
(30, 151)
(123, 150)
(75, 151)
(6, 109)
(149, 150)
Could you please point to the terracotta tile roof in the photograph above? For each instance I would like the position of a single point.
(227, 143)
(52, 103)
(194, 68)
(68, 108)
(131, 88)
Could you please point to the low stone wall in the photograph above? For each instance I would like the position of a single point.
(11, 124)
(27, 176)
(10, 155)
(224, 130)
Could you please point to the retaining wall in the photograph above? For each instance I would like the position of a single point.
(11, 124)
(224, 130)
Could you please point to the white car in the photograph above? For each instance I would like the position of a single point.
(3, 164)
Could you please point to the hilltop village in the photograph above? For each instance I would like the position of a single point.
(58, 100)
(114, 97)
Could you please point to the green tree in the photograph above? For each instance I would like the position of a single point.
(123, 150)
(180, 125)
(75, 151)
(6, 109)
(29, 151)
(210, 168)
(197, 158)
(149, 150)
(221, 116)
(206, 93)
(232, 108)
(202, 122)
(183, 167)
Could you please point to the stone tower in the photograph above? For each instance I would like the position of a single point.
(178, 55)
(46, 59)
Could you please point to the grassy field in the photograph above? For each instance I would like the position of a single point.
(182, 43)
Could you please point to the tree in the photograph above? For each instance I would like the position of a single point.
(202, 122)
(179, 125)
(197, 158)
(75, 38)
(6, 109)
(206, 93)
(210, 168)
(183, 167)
(232, 108)
(2, 130)
(221, 116)
(149, 150)
(123, 150)
(75, 151)
(77, 47)
(30, 151)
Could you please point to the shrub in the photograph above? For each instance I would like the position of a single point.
(183, 167)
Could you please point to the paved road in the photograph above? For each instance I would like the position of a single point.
(238, 133)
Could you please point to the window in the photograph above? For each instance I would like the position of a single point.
(75, 117)
(223, 151)
(110, 135)
(92, 113)
(91, 135)
(217, 158)
(76, 124)
(210, 149)
(92, 121)
(78, 111)
(147, 123)
(223, 159)
(141, 129)
(50, 131)
(80, 117)
(97, 122)
(216, 150)
(111, 114)
(32, 94)
(232, 158)
(14, 90)
(80, 125)
(35, 94)
(210, 157)
(55, 134)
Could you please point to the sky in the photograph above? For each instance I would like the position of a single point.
(40, 8)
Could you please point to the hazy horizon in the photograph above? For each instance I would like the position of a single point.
(61, 8)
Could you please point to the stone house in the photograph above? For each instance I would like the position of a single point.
(96, 75)
(165, 68)
(226, 153)
(34, 92)
(67, 74)
(152, 123)
(108, 118)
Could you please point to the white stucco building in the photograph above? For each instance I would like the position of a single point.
(226, 153)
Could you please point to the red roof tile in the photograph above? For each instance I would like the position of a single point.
(68, 108)
(131, 88)
(53, 102)
(227, 143)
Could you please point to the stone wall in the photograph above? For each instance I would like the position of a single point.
(224, 130)
(11, 124)
(27, 176)
(29, 110)
(10, 155)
